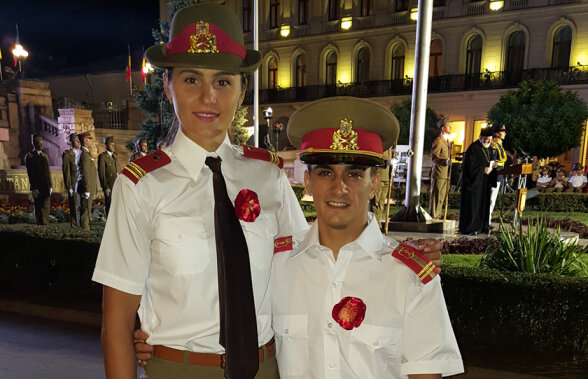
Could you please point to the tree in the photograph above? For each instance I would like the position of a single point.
(402, 113)
(540, 119)
(239, 134)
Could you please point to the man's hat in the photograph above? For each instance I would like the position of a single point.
(206, 36)
(84, 134)
(501, 128)
(344, 130)
(442, 122)
(487, 132)
(109, 139)
(36, 138)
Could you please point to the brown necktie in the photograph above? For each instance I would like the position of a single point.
(238, 326)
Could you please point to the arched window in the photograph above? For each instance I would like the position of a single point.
(333, 10)
(397, 66)
(362, 66)
(300, 74)
(331, 68)
(562, 45)
(436, 53)
(515, 54)
(474, 55)
(272, 73)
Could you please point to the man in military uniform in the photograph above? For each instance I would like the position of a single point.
(441, 155)
(70, 176)
(87, 183)
(378, 203)
(37, 164)
(107, 171)
(500, 157)
(141, 149)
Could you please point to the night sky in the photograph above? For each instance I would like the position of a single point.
(73, 36)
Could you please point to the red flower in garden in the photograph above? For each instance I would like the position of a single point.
(247, 205)
(349, 312)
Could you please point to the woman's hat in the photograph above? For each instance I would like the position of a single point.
(205, 36)
(343, 129)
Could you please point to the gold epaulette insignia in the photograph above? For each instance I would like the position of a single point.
(262, 154)
(140, 167)
(416, 261)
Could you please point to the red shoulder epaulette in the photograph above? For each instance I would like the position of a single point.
(416, 261)
(262, 154)
(282, 244)
(140, 167)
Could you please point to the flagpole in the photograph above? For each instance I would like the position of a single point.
(256, 75)
(130, 72)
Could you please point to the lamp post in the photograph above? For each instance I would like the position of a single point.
(267, 115)
(19, 54)
(277, 129)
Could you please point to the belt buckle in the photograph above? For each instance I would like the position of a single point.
(223, 361)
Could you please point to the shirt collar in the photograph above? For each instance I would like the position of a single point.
(370, 240)
(192, 156)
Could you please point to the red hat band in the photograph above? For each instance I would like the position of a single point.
(203, 37)
(332, 140)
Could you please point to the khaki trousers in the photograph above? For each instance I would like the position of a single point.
(379, 201)
(73, 210)
(161, 369)
(439, 188)
(85, 210)
(42, 209)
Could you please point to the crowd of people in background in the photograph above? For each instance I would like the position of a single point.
(553, 178)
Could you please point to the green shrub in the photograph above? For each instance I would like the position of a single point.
(537, 250)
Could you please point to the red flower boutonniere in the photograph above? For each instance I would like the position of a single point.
(247, 205)
(349, 312)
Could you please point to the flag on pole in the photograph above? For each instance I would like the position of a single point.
(129, 65)
(143, 73)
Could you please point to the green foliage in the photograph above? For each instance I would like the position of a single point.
(402, 113)
(537, 250)
(535, 113)
(239, 133)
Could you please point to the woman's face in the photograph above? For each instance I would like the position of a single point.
(205, 101)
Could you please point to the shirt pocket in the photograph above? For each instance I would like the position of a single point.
(291, 335)
(180, 245)
(376, 349)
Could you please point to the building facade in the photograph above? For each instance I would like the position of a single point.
(366, 48)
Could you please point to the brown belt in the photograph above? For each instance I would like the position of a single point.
(206, 359)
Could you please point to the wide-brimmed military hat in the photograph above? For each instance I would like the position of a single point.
(346, 130)
(206, 36)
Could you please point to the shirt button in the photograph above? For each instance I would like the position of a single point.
(180, 236)
(331, 365)
(285, 331)
(330, 325)
(334, 285)
(376, 343)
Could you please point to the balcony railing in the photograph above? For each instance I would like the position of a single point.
(438, 84)
(109, 116)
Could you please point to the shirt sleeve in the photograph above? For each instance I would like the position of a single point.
(429, 345)
(291, 220)
(125, 254)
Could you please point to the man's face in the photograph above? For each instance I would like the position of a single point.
(110, 147)
(87, 141)
(502, 135)
(143, 147)
(38, 144)
(485, 141)
(341, 194)
(446, 129)
(75, 142)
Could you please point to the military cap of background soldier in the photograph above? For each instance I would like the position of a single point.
(109, 139)
(85, 134)
(442, 122)
(501, 128)
(71, 137)
(343, 130)
(206, 36)
(36, 138)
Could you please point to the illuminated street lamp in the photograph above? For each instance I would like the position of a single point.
(19, 53)
(148, 69)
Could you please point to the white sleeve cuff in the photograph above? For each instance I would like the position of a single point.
(117, 282)
(443, 367)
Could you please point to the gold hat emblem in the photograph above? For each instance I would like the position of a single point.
(345, 138)
(202, 41)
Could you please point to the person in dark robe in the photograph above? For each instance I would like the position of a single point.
(477, 180)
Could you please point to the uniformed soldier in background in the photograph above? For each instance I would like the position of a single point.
(70, 177)
(441, 155)
(107, 171)
(87, 183)
(37, 164)
(141, 149)
(378, 203)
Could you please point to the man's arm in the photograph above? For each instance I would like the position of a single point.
(119, 309)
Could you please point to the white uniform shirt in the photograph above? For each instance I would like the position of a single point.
(578, 180)
(159, 242)
(544, 179)
(406, 329)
